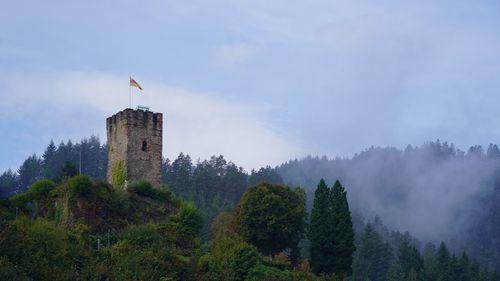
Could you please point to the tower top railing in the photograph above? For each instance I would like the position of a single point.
(143, 108)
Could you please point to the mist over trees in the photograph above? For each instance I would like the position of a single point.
(434, 191)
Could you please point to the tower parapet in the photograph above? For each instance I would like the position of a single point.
(135, 144)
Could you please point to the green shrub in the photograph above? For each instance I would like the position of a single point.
(144, 188)
(142, 236)
(265, 273)
(81, 185)
(278, 265)
(189, 217)
(41, 189)
(9, 271)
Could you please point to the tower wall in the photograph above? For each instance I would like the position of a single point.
(135, 137)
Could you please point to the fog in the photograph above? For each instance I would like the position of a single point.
(434, 191)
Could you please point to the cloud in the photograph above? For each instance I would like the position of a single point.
(233, 54)
(196, 123)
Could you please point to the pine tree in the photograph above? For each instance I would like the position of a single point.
(343, 231)
(463, 267)
(395, 272)
(412, 275)
(8, 183)
(443, 262)
(29, 172)
(321, 231)
(48, 161)
(331, 231)
(409, 256)
(373, 258)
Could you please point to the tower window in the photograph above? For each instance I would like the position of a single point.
(144, 146)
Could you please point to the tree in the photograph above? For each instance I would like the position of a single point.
(48, 161)
(321, 231)
(179, 175)
(409, 257)
(272, 217)
(463, 266)
(264, 174)
(68, 171)
(395, 272)
(8, 183)
(331, 231)
(412, 275)
(29, 172)
(343, 231)
(374, 257)
(443, 262)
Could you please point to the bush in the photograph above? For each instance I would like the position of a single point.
(265, 273)
(230, 259)
(9, 271)
(40, 189)
(81, 185)
(40, 247)
(142, 236)
(189, 217)
(144, 188)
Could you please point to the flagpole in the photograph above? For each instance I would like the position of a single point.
(129, 94)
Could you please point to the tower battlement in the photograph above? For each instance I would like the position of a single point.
(135, 140)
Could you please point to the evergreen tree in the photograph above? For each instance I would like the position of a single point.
(409, 256)
(412, 275)
(8, 183)
(29, 172)
(68, 171)
(321, 231)
(48, 161)
(331, 231)
(343, 232)
(395, 272)
(373, 258)
(463, 268)
(430, 271)
(179, 177)
(443, 262)
(264, 174)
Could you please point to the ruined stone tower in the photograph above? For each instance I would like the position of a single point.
(135, 146)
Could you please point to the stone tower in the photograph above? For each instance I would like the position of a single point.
(135, 144)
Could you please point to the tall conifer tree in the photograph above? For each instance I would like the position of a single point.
(321, 231)
(331, 232)
(343, 231)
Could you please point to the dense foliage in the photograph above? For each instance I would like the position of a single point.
(74, 227)
(272, 217)
(85, 230)
(214, 185)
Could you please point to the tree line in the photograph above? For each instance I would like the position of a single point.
(217, 185)
(89, 156)
(81, 229)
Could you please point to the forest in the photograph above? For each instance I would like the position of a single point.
(359, 218)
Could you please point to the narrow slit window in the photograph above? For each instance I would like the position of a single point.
(144, 146)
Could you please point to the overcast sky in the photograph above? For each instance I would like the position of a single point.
(257, 81)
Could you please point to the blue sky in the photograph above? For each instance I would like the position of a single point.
(257, 81)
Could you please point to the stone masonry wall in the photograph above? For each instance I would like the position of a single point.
(135, 137)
